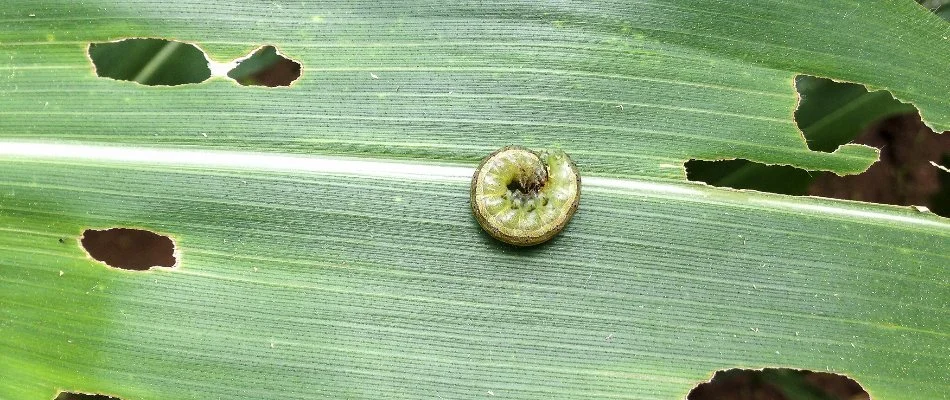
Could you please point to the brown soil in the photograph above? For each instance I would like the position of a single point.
(904, 175)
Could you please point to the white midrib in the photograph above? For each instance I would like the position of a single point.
(394, 170)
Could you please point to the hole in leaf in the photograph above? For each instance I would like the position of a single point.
(778, 384)
(153, 62)
(745, 174)
(131, 249)
(940, 202)
(266, 67)
(831, 114)
(83, 396)
(903, 176)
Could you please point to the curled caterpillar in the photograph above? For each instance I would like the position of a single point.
(524, 197)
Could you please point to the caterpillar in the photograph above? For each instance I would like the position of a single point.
(524, 197)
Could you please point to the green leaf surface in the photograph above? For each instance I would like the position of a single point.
(326, 242)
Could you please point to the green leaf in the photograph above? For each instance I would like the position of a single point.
(304, 274)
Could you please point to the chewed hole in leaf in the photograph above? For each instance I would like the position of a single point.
(745, 174)
(266, 67)
(905, 174)
(131, 249)
(778, 384)
(831, 113)
(152, 62)
(834, 116)
(83, 396)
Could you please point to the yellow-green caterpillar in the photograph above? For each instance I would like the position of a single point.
(523, 197)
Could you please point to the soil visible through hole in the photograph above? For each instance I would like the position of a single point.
(132, 249)
(83, 396)
(778, 384)
(903, 176)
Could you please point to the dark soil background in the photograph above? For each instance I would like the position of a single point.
(904, 175)
(778, 384)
